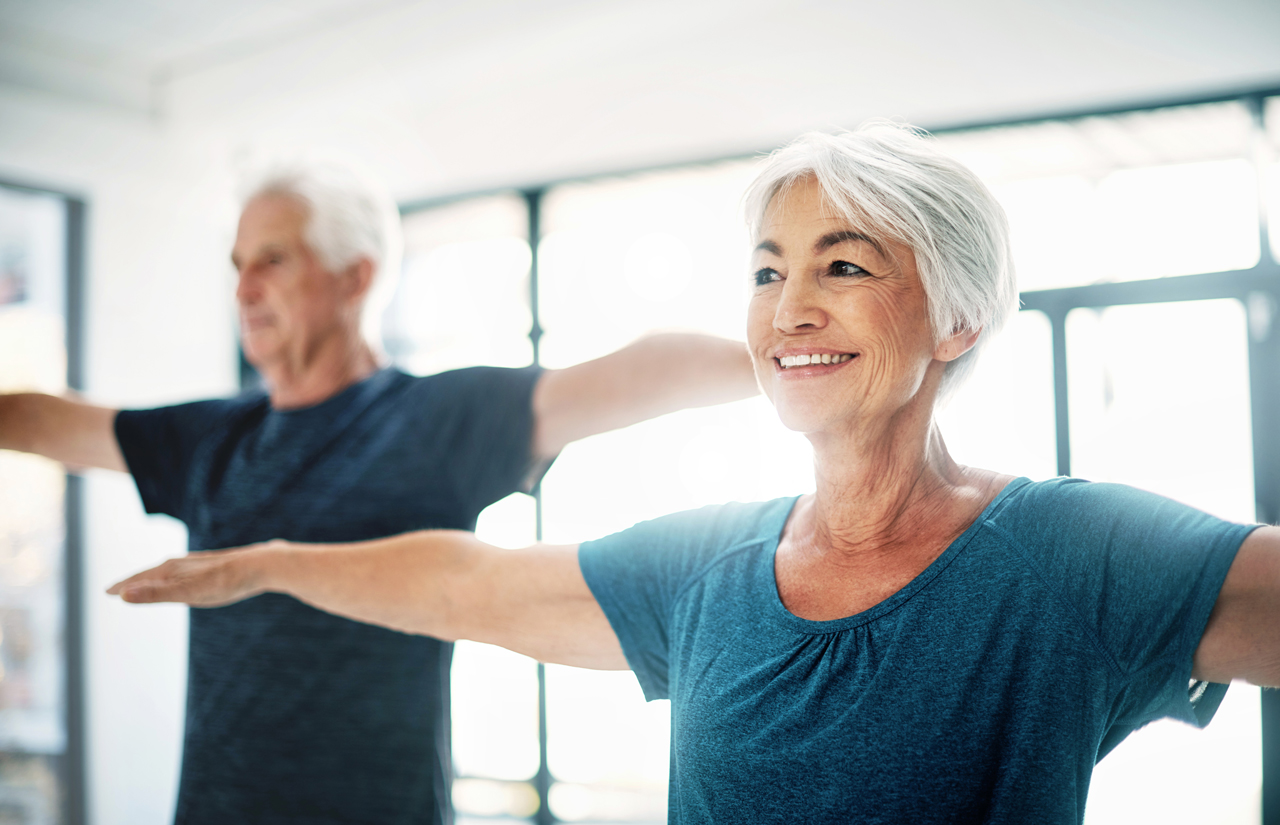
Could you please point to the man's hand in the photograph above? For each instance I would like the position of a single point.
(79, 435)
(654, 376)
(209, 579)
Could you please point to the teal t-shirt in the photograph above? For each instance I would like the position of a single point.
(984, 690)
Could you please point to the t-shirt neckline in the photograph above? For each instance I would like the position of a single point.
(373, 382)
(780, 612)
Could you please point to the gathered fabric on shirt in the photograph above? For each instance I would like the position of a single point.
(984, 691)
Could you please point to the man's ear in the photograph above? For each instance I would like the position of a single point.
(949, 349)
(358, 279)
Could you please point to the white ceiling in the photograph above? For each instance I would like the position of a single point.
(455, 95)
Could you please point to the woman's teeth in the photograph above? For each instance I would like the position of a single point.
(788, 361)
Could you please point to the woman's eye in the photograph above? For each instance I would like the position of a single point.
(846, 269)
(765, 276)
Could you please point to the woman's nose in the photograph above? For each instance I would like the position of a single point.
(799, 306)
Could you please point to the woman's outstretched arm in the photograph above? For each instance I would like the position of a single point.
(441, 583)
(1242, 640)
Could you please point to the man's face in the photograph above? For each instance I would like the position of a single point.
(289, 304)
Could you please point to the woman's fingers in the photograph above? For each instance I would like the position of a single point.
(209, 579)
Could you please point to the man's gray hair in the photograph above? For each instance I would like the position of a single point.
(349, 216)
(893, 182)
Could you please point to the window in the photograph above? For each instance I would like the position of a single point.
(40, 779)
(1144, 354)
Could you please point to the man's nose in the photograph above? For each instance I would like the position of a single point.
(247, 290)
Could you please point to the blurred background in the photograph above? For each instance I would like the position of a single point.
(597, 151)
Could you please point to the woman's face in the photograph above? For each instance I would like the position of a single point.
(838, 326)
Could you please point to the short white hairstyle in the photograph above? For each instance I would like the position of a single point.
(893, 182)
(350, 216)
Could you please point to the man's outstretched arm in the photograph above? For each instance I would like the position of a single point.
(440, 583)
(77, 434)
(655, 375)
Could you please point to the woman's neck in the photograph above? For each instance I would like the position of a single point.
(879, 486)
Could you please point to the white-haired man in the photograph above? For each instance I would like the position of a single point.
(294, 715)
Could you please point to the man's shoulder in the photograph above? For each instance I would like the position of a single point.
(196, 417)
(479, 384)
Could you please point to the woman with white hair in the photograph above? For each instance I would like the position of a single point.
(916, 641)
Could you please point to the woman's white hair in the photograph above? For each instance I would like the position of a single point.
(893, 182)
(349, 217)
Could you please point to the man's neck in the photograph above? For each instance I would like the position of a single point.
(307, 380)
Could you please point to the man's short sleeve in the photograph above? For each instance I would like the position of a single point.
(489, 414)
(158, 446)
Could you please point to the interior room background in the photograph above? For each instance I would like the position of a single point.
(598, 151)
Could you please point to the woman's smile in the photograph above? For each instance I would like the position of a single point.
(808, 363)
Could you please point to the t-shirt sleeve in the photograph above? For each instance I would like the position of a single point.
(1143, 573)
(158, 446)
(638, 575)
(489, 412)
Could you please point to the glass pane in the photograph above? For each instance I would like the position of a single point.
(32, 671)
(1177, 220)
(1094, 147)
(463, 300)
(1123, 197)
(1160, 400)
(1046, 214)
(495, 696)
(1150, 410)
(623, 257)
(1002, 418)
(463, 296)
(588, 710)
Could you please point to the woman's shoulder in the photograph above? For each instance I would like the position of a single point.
(682, 543)
(1094, 511)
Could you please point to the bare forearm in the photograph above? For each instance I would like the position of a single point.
(440, 583)
(18, 417)
(80, 435)
(652, 377)
(402, 582)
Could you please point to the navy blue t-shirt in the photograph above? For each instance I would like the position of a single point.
(983, 691)
(295, 715)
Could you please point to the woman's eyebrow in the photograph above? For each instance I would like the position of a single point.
(845, 235)
(770, 247)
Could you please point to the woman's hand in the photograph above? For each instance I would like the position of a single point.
(209, 579)
(442, 583)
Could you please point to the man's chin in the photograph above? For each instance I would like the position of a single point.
(258, 351)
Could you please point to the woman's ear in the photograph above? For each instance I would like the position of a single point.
(949, 349)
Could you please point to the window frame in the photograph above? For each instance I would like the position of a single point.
(1257, 288)
(72, 775)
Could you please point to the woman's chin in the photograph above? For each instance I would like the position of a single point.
(804, 418)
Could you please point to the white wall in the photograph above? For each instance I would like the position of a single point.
(159, 329)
